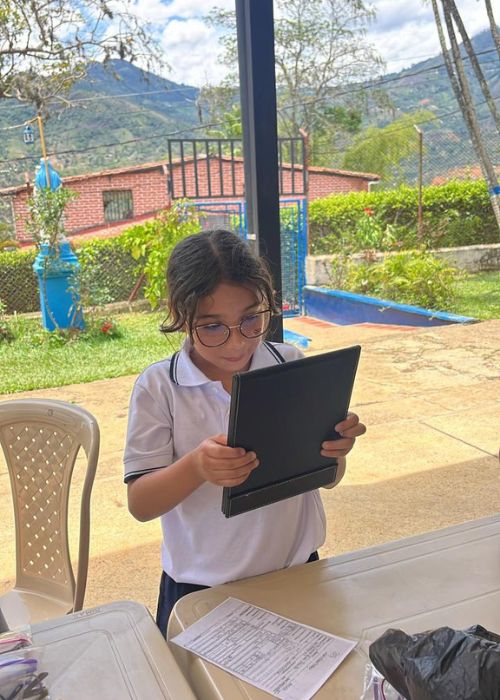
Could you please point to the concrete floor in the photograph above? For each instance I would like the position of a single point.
(431, 401)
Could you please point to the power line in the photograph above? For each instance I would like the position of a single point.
(419, 123)
(166, 91)
(368, 86)
(110, 145)
(92, 98)
(198, 128)
(205, 126)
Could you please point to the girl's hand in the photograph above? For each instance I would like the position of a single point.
(349, 429)
(222, 465)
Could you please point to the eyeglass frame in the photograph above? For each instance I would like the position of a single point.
(194, 329)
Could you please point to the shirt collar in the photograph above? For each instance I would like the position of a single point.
(186, 373)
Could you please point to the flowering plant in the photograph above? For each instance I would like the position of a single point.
(108, 327)
(46, 209)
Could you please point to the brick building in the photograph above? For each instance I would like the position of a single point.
(123, 195)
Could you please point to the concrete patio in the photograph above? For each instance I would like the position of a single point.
(431, 401)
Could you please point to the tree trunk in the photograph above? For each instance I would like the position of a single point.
(462, 93)
(475, 63)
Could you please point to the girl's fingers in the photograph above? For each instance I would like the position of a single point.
(351, 427)
(226, 471)
(354, 432)
(334, 454)
(217, 451)
(337, 445)
(233, 477)
(220, 453)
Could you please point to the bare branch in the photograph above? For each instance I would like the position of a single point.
(50, 42)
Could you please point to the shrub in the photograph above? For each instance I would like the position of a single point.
(457, 213)
(152, 242)
(45, 222)
(108, 272)
(9, 245)
(410, 277)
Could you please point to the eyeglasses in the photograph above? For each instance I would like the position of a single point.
(214, 334)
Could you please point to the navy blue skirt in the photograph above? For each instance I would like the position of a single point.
(171, 592)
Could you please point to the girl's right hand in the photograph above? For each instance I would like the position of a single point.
(222, 465)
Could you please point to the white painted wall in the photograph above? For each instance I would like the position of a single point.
(475, 258)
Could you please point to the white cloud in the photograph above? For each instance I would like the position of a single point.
(196, 8)
(191, 49)
(403, 33)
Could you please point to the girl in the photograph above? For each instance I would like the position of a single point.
(176, 456)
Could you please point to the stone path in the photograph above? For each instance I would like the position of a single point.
(431, 401)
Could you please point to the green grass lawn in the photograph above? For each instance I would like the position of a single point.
(30, 363)
(33, 361)
(479, 296)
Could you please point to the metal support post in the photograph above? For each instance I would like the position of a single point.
(255, 26)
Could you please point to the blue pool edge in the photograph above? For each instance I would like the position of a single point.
(346, 308)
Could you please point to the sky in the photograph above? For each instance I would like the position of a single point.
(403, 33)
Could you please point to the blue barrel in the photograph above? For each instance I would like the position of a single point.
(57, 272)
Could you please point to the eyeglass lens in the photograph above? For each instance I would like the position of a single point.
(253, 326)
(214, 334)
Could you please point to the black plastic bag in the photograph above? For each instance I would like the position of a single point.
(442, 664)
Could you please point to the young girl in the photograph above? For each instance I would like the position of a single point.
(176, 456)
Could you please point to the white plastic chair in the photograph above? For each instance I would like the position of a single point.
(41, 439)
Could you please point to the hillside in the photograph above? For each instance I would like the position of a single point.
(426, 85)
(123, 116)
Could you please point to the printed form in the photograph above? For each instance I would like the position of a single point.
(285, 658)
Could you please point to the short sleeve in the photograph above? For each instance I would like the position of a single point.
(148, 443)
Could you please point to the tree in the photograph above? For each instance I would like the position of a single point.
(46, 45)
(333, 131)
(460, 84)
(218, 109)
(381, 150)
(319, 47)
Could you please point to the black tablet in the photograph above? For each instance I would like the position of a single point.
(283, 413)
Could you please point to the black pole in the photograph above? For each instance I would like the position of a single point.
(255, 25)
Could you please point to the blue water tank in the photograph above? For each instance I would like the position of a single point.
(57, 272)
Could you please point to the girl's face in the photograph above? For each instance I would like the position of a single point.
(228, 304)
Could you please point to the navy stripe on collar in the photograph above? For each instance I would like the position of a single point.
(277, 355)
(173, 368)
(174, 361)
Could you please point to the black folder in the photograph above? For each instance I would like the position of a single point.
(284, 413)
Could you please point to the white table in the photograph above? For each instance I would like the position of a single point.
(449, 577)
(113, 652)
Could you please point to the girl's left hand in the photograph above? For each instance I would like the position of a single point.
(349, 429)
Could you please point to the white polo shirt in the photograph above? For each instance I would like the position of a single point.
(172, 410)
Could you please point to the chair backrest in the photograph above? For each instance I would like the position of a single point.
(41, 439)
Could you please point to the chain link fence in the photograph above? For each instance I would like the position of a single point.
(440, 155)
(110, 274)
(107, 275)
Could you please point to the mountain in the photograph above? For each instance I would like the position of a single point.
(123, 116)
(426, 86)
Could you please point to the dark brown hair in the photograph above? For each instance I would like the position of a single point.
(199, 263)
